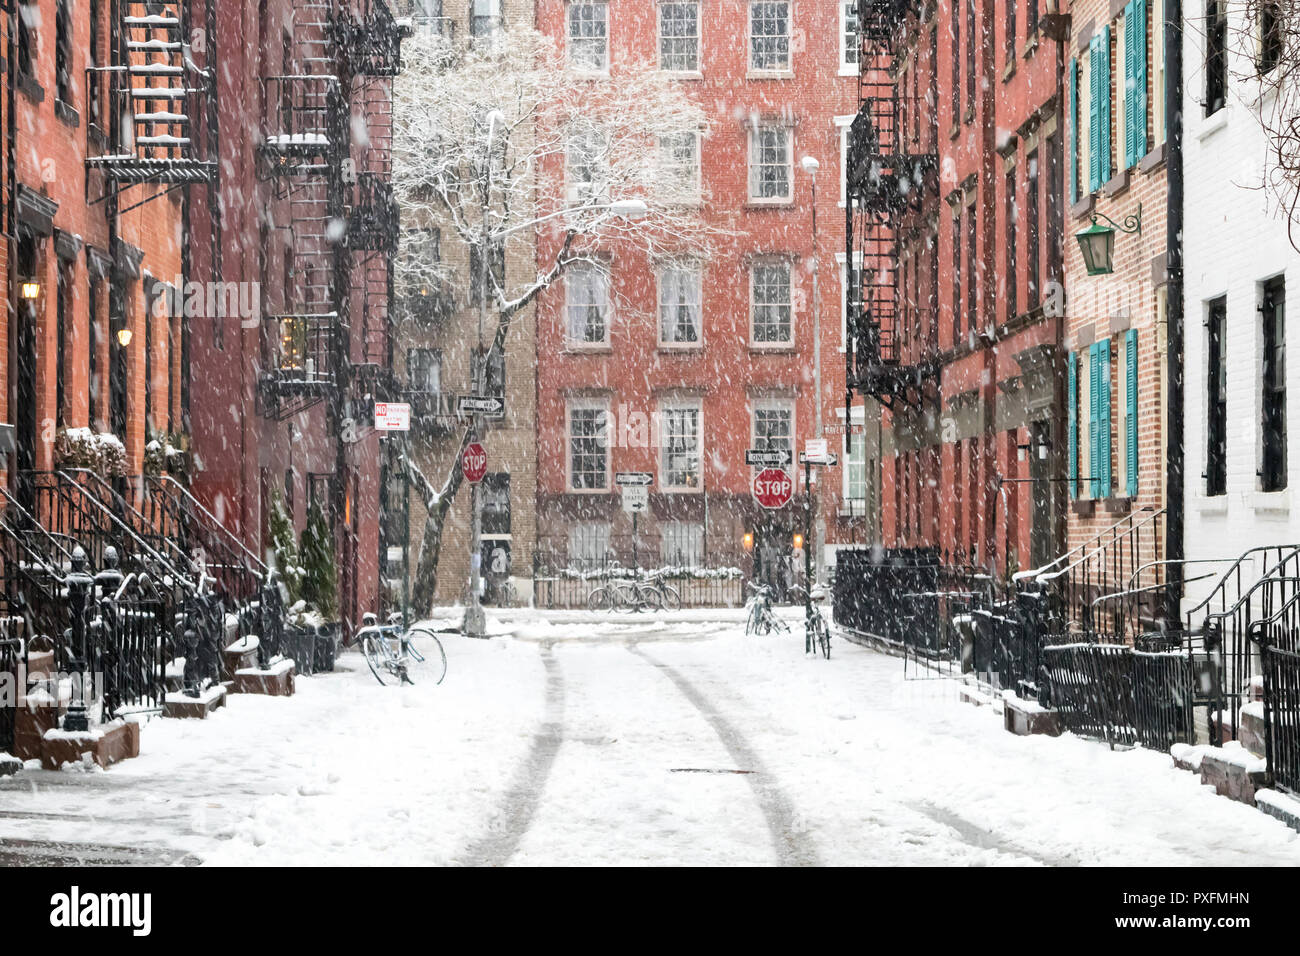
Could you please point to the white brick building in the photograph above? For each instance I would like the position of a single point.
(1242, 421)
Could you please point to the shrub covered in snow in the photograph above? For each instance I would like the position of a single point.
(102, 453)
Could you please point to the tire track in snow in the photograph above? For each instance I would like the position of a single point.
(792, 847)
(521, 801)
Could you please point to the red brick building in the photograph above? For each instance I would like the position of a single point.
(956, 179)
(714, 357)
(93, 340)
(284, 404)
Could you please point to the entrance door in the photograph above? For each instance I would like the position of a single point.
(774, 559)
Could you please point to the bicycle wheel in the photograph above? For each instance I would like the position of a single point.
(375, 653)
(823, 635)
(651, 599)
(672, 598)
(601, 599)
(426, 661)
(751, 624)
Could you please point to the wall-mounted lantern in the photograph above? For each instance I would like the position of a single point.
(1097, 242)
(31, 289)
(124, 337)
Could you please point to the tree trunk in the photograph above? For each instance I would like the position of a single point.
(437, 504)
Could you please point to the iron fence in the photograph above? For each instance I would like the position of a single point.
(10, 652)
(1282, 716)
(697, 587)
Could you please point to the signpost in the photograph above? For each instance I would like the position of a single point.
(473, 462)
(814, 453)
(773, 488)
(392, 417)
(486, 406)
(635, 486)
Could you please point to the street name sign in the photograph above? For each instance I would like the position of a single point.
(768, 457)
(773, 488)
(392, 416)
(806, 459)
(489, 406)
(634, 478)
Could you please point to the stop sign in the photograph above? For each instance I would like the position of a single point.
(773, 488)
(473, 462)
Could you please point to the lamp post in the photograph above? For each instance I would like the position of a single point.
(811, 166)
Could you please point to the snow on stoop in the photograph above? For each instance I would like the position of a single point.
(1250, 727)
(1233, 772)
(974, 694)
(273, 681)
(1026, 717)
(105, 744)
(180, 705)
(1280, 805)
(9, 765)
(240, 655)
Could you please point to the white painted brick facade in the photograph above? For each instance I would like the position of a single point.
(1235, 239)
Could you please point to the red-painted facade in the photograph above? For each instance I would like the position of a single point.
(972, 455)
(726, 375)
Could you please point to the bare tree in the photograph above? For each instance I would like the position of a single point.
(500, 142)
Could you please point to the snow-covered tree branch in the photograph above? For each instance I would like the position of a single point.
(500, 147)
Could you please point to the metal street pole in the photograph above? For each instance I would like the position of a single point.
(807, 556)
(475, 623)
(811, 166)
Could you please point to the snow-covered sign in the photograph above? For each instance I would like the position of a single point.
(392, 416)
(773, 488)
(636, 499)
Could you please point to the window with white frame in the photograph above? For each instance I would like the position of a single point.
(771, 312)
(855, 471)
(680, 155)
(589, 36)
(849, 37)
(770, 163)
(773, 425)
(844, 125)
(769, 36)
(679, 36)
(588, 445)
(585, 170)
(588, 545)
(485, 17)
(682, 544)
(679, 428)
(849, 286)
(586, 304)
(679, 304)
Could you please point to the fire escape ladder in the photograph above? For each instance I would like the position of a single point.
(146, 104)
(886, 184)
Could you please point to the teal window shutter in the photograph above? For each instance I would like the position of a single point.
(1139, 80)
(1072, 429)
(1103, 355)
(1074, 131)
(1094, 421)
(1129, 68)
(1094, 115)
(1104, 104)
(1131, 404)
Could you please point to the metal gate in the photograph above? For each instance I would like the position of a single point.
(1282, 716)
(10, 647)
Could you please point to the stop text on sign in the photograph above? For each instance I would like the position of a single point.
(773, 488)
(473, 462)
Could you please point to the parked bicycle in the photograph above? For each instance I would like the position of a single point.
(397, 654)
(637, 595)
(762, 619)
(817, 634)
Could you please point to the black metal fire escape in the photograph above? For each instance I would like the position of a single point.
(887, 182)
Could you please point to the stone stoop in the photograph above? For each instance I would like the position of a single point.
(106, 745)
(1026, 717)
(1233, 772)
(9, 765)
(1250, 732)
(273, 681)
(239, 656)
(180, 705)
(31, 722)
(1280, 805)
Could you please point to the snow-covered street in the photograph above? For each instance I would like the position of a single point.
(573, 739)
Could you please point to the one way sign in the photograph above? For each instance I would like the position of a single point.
(489, 406)
(634, 478)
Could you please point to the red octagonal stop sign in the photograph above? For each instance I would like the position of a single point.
(473, 462)
(773, 488)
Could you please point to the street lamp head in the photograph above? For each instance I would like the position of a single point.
(495, 118)
(629, 209)
(810, 165)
